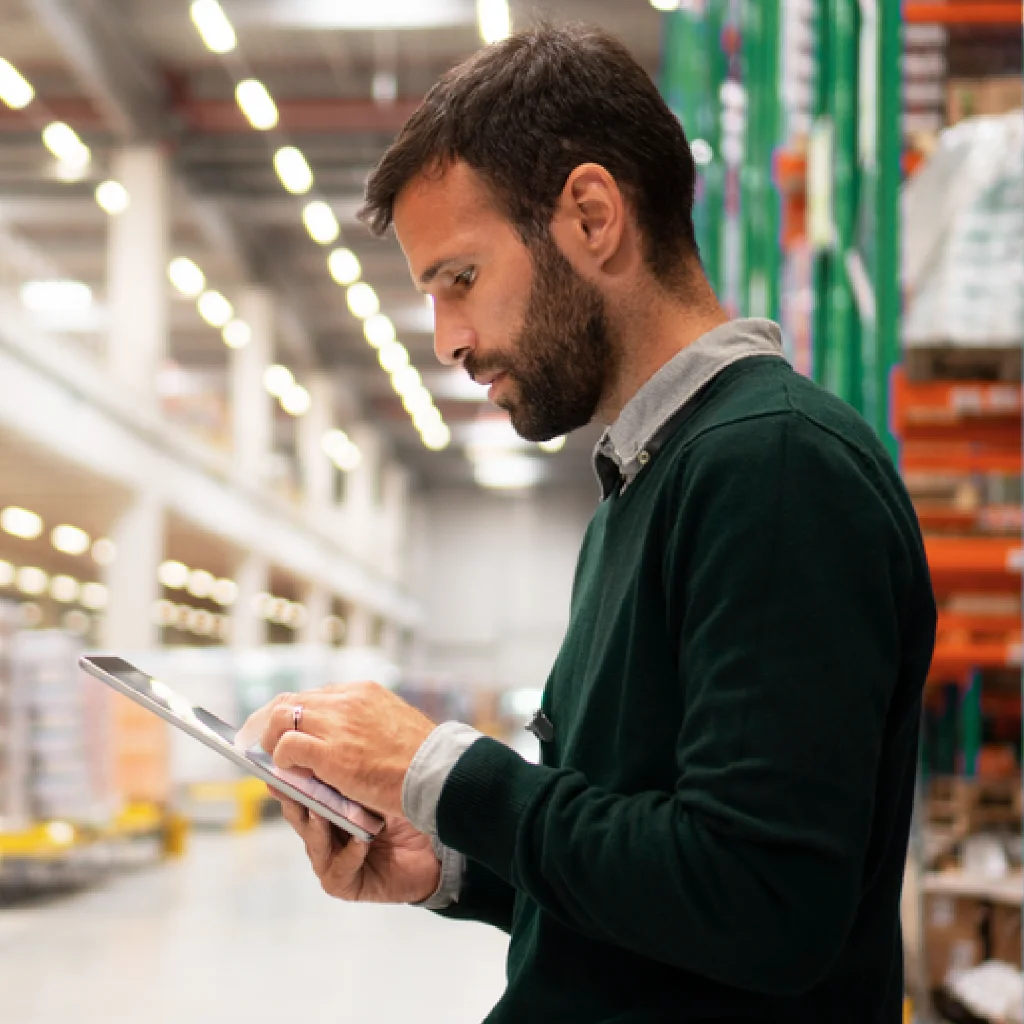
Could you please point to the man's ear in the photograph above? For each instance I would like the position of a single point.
(590, 219)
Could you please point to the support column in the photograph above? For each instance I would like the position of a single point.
(360, 627)
(396, 512)
(137, 271)
(248, 629)
(317, 470)
(252, 408)
(360, 499)
(318, 606)
(131, 580)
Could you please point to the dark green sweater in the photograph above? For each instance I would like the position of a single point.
(718, 829)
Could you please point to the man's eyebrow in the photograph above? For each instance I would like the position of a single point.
(436, 268)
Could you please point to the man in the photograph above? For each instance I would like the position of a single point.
(718, 827)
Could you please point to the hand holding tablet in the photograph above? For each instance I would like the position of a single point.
(310, 792)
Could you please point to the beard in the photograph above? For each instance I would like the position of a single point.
(559, 364)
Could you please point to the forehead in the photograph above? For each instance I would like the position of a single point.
(440, 212)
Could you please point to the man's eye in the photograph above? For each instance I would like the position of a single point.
(466, 277)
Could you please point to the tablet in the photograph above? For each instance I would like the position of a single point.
(159, 698)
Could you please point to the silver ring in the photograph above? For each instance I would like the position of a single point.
(297, 717)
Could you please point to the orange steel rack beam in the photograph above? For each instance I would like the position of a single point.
(962, 13)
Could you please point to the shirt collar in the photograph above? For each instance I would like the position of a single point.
(623, 450)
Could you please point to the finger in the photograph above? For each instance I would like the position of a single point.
(320, 843)
(298, 751)
(295, 814)
(280, 721)
(256, 724)
(346, 864)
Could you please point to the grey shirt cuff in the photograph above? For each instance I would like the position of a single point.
(429, 770)
(453, 867)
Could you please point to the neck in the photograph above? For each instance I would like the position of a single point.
(652, 329)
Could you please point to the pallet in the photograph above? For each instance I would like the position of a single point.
(963, 363)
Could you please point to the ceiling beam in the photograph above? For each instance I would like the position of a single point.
(308, 116)
(128, 88)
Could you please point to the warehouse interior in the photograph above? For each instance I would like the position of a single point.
(228, 453)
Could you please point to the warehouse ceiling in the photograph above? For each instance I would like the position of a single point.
(123, 70)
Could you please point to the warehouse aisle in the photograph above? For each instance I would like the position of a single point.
(239, 930)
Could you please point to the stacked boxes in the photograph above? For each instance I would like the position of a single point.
(67, 725)
(14, 809)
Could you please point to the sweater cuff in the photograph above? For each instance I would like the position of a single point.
(449, 888)
(430, 767)
(483, 801)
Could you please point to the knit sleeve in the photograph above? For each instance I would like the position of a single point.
(783, 577)
(483, 897)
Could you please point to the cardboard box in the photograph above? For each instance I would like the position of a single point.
(954, 934)
(969, 97)
(1005, 934)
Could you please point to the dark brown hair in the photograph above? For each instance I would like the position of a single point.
(524, 113)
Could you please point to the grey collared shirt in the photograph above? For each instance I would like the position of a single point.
(626, 447)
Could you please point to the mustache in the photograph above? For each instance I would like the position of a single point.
(477, 368)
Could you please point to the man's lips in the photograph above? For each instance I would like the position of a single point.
(495, 383)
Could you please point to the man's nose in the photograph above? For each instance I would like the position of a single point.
(453, 341)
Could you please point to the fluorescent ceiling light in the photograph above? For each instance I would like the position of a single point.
(213, 26)
(71, 172)
(437, 438)
(296, 401)
(665, 5)
(293, 170)
(419, 404)
(277, 379)
(112, 197)
(200, 583)
(494, 20)
(215, 309)
(64, 589)
(332, 15)
(426, 416)
(30, 580)
(173, 575)
(379, 330)
(257, 104)
(385, 87)
(556, 444)
(15, 89)
(56, 296)
(349, 459)
(186, 277)
(508, 472)
(362, 300)
(344, 267)
(406, 379)
(321, 223)
(104, 551)
(20, 522)
(341, 451)
(94, 596)
(237, 334)
(63, 142)
(393, 356)
(70, 540)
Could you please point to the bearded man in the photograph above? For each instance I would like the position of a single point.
(718, 825)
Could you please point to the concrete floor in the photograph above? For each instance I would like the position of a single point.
(239, 931)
